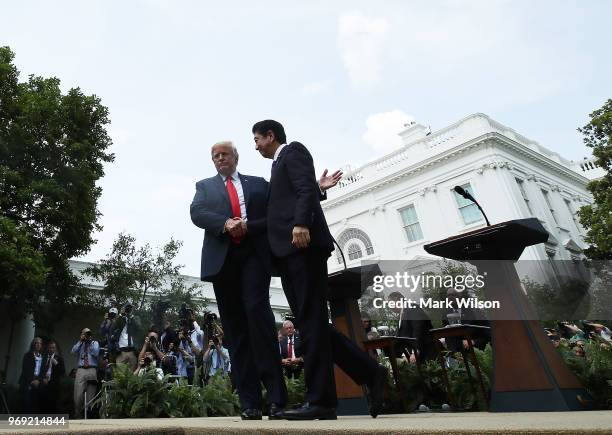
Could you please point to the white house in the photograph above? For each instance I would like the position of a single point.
(389, 208)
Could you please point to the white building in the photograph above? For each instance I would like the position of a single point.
(389, 208)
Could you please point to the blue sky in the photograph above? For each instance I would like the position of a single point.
(342, 76)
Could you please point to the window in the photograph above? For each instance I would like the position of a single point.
(411, 223)
(469, 211)
(572, 213)
(549, 205)
(521, 185)
(354, 242)
(354, 251)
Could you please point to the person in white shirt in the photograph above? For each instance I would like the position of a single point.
(217, 356)
(147, 364)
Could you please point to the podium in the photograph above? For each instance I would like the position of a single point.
(345, 288)
(528, 372)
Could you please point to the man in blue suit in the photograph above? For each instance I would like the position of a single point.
(231, 208)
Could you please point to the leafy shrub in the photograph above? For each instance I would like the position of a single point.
(218, 397)
(132, 396)
(296, 390)
(594, 370)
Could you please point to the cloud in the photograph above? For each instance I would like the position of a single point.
(382, 130)
(361, 40)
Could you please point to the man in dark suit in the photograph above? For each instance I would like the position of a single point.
(415, 323)
(231, 208)
(52, 372)
(290, 350)
(301, 244)
(31, 376)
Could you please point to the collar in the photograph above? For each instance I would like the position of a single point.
(234, 176)
(278, 151)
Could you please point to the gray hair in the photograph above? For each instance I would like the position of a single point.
(225, 142)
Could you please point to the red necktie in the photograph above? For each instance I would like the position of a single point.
(233, 196)
(86, 356)
(290, 349)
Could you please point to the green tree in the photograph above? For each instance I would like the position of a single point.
(143, 277)
(52, 150)
(597, 217)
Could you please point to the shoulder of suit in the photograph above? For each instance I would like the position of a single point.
(253, 178)
(296, 147)
(206, 180)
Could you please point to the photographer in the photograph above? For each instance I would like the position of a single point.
(168, 335)
(190, 339)
(87, 351)
(123, 334)
(218, 356)
(147, 364)
(175, 360)
(151, 344)
(106, 331)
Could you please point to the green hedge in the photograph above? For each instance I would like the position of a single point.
(132, 396)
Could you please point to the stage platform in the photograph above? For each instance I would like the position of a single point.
(591, 422)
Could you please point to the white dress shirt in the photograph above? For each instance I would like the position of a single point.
(238, 185)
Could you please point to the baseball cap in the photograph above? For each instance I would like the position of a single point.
(113, 311)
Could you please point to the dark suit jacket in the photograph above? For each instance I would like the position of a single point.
(57, 372)
(294, 200)
(27, 370)
(297, 347)
(211, 208)
(419, 329)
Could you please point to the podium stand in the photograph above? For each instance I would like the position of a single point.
(528, 372)
(345, 288)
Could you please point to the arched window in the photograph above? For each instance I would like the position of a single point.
(355, 244)
(354, 251)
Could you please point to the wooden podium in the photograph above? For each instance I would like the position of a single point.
(528, 372)
(345, 288)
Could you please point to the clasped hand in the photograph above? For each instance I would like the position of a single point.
(236, 227)
(301, 237)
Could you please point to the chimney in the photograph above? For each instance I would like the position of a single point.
(413, 132)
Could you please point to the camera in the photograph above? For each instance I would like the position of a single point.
(152, 340)
(147, 361)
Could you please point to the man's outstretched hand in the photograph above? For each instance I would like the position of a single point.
(329, 181)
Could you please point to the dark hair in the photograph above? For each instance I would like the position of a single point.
(262, 127)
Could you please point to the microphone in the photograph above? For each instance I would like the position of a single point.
(461, 191)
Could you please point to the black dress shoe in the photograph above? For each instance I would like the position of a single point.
(251, 414)
(311, 412)
(376, 390)
(276, 412)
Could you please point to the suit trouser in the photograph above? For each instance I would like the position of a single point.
(80, 385)
(242, 289)
(304, 278)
